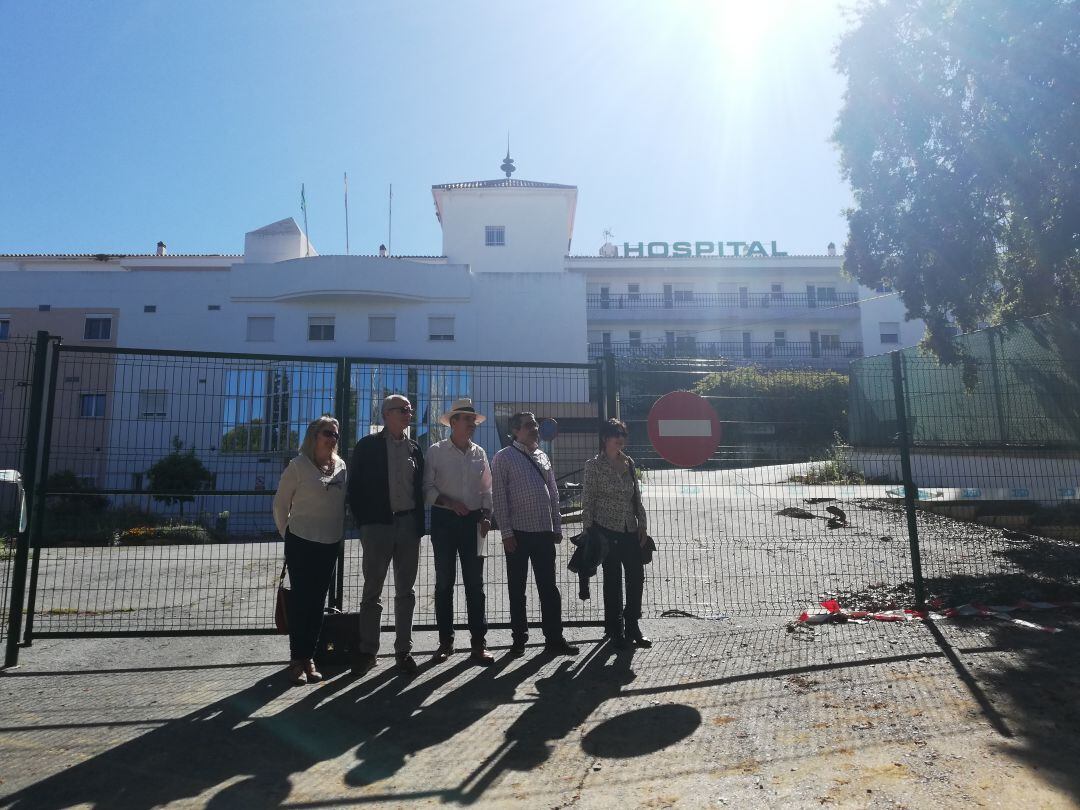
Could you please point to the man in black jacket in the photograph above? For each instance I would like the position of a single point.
(386, 496)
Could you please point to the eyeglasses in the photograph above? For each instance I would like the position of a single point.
(401, 408)
(330, 434)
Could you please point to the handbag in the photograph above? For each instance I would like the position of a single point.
(281, 606)
(339, 639)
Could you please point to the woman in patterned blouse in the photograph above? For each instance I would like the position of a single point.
(613, 507)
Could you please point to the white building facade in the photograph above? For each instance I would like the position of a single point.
(505, 289)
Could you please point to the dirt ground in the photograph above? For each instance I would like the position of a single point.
(716, 714)
(728, 709)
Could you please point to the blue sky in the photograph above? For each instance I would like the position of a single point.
(193, 122)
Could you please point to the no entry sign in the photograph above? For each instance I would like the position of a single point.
(684, 428)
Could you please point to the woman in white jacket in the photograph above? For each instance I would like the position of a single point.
(309, 510)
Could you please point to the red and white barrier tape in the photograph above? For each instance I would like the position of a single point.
(832, 612)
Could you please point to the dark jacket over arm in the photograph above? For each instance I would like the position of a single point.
(369, 482)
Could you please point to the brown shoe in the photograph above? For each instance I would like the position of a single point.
(406, 664)
(313, 675)
(481, 657)
(445, 650)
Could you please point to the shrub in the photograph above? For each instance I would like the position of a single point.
(152, 535)
(806, 408)
(72, 497)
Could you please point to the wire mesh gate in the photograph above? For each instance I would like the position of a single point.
(799, 501)
(111, 555)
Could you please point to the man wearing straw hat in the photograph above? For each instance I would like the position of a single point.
(457, 487)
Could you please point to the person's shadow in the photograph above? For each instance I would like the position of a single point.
(393, 729)
(226, 742)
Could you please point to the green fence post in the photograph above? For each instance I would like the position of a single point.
(904, 441)
(343, 408)
(30, 463)
(37, 511)
(995, 378)
(611, 388)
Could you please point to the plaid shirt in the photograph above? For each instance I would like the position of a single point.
(522, 501)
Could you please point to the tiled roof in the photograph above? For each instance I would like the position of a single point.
(106, 256)
(504, 182)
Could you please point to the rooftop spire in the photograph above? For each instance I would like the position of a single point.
(508, 163)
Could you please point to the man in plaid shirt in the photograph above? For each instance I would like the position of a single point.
(526, 503)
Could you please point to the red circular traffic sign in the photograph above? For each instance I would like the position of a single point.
(684, 428)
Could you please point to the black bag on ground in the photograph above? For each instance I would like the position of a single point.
(339, 639)
(281, 605)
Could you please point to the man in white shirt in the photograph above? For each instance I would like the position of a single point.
(457, 487)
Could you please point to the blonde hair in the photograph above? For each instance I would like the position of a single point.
(311, 438)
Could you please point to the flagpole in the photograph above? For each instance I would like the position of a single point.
(307, 236)
(390, 224)
(346, 213)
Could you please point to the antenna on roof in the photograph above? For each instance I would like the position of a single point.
(390, 221)
(508, 163)
(346, 213)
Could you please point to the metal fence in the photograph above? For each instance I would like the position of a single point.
(16, 373)
(115, 554)
(793, 506)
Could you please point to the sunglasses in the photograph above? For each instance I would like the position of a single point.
(401, 408)
(330, 434)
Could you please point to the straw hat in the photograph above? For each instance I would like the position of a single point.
(463, 405)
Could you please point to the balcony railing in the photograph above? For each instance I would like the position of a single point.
(769, 352)
(692, 300)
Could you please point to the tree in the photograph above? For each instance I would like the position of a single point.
(806, 409)
(173, 476)
(960, 136)
(256, 437)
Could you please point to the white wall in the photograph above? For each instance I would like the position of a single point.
(538, 224)
(878, 308)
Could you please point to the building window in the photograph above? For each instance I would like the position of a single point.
(635, 338)
(830, 341)
(633, 292)
(779, 338)
(889, 331)
(150, 308)
(440, 328)
(495, 235)
(44, 307)
(152, 403)
(683, 293)
(213, 307)
(605, 338)
(137, 482)
(97, 327)
(260, 329)
(92, 406)
(777, 292)
(320, 327)
(5, 328)
(382, 327)
(605, 297)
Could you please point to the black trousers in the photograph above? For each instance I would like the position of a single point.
(623, 558)
(453, 537)
(539, 547)
(310, 567)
